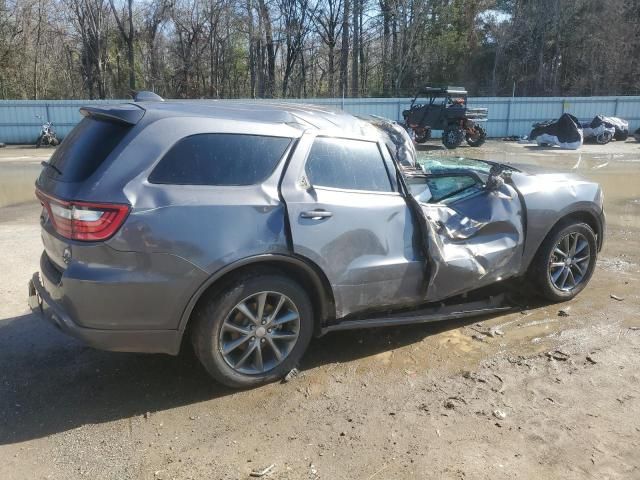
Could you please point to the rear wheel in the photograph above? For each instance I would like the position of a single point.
(477, 138)
(254, 331)
(452, 137)
(565, 261)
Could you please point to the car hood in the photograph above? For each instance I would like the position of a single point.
(528, 179)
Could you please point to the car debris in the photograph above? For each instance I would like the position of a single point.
(293, 373)
(616, 297)
(263, 472)
(564, 312)
(558, 355)
(499, 414)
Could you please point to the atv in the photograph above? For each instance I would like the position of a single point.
(445, 109)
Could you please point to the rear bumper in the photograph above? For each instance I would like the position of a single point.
(143, 341)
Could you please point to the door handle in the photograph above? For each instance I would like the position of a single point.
(316, 214)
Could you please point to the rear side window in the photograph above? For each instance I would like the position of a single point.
(220, 159)
(85, 148)
(348, 165)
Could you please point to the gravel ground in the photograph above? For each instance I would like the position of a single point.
(535, 394)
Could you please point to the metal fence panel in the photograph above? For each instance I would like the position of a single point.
(507, 116)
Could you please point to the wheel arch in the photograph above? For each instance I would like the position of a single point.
(304, 272)
(586, 216)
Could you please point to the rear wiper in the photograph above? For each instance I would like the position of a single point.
(44, 163)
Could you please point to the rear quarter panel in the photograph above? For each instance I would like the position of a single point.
(209, 227)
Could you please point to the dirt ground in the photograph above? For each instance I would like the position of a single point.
(554, 397)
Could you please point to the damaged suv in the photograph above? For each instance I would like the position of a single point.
(248, 228)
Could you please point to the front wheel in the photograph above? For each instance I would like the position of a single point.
(422, 135)
(476, 137)
(254, 331)
(452, 137)
(565, 261)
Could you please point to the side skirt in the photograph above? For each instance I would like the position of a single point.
(426, 315)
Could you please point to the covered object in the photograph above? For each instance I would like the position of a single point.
(566, 132)
(604, 129)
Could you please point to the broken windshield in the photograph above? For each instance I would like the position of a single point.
(432, 164)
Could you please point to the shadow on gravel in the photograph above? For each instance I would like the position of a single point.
(51, 383)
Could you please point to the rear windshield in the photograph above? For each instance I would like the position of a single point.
(84, 149)
(220, 159)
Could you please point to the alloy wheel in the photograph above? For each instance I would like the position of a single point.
(569, 261)
(259, 333)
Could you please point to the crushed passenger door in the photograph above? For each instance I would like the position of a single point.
(474, 232)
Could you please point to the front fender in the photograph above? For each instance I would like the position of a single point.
(549, 198)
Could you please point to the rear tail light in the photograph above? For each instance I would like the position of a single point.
(84, 220)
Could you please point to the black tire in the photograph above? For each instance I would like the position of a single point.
(452, 137)
(424, 136)
(217, 307)
(540, 271)
(478, 138)
(604, 138)
(39, 141)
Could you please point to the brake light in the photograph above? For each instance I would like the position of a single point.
(84, 220)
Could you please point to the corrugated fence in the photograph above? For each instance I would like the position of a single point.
(19, 122)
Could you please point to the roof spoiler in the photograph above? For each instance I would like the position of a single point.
(146, 96)
(127, 113)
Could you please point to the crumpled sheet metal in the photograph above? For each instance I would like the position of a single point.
(475, 244)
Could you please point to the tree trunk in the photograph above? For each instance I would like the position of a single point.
(332, 71)
(252, 51)
(270, 84)
(355, 83)
(386, 47)
(37, 51)
(131, 51)
(344, 53)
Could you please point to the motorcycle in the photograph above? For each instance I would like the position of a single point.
(47, 135)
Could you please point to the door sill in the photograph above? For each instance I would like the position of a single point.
(430, 314)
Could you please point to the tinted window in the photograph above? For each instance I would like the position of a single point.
(220, 159)
(85, 148)
(347, 164)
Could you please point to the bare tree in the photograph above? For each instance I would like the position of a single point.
(344, 52)
(127, 32)
(270, 50)
(295, 16)
(328, 26)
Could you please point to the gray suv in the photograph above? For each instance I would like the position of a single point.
(248, 228)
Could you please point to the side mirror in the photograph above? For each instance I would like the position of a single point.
(496, 178)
